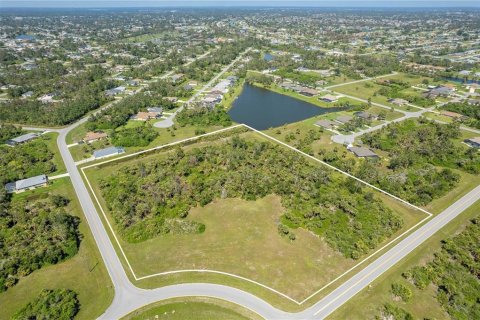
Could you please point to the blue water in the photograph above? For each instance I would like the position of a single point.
(25, 37)
(263, 109)
(268, 57)
(461, 80)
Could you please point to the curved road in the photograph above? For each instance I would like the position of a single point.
(129, 298)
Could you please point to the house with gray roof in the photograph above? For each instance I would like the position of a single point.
(473, 142)
(325, 123)
(362, 152)
(22, 139)
(27, 184)
(108, 152)
(344, 119)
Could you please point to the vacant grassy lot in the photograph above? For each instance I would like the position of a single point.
(366, 90)
(198, 308)
(423, 304)
(241, 237)
(84, 273)
(51, 141)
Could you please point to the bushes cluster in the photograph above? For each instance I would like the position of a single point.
(60, 304)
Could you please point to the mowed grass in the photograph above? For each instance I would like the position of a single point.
(366, 90)
(241, 238)
(198, 308)
(50, 140)
(423, 304)
(84, 273)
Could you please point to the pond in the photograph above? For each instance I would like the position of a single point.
(263, 109)
(461, 80)
(268, 57)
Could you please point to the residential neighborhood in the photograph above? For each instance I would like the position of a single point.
(239, 160)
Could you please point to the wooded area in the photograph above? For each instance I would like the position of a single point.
(204, 117)
(25, 160)
(34, 233)
(454, 271)
(152, 197)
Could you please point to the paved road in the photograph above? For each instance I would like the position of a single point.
(168, 122)
(363, 278)
(128, 298)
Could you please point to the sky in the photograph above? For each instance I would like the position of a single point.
(224, 3)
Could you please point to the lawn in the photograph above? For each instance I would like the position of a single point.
(230, 97)
(84, 273)
(51, 141)
(366, 90)
(241, 237)
(199, 308)
(368, 303)
(76, 134)
(313, 100)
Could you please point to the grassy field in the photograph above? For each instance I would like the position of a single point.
(241, 237)
(84, 273)
(76, 134)
(199, 308)
(51, 141)
(368, 303)
(366, 90)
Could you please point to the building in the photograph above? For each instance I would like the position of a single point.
(158, 110)
(365, 115)
(325, 123)
(113, 92)
(443, 91)
(362, 152)
(108, 152)
(94, 136)
(145, 116)
(27, 184)
(397, 101)
(22, 139)
(27, 94)
(473, 142)
(452, 115)
(177, 77)
(46, 98)
(344, 119)
(329, 98)
(308, 92)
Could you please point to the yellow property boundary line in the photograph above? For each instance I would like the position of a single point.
(429, 215)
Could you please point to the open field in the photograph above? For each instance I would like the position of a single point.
(51, 141)
(241, 237)
(366, 90)
(84, 273)
(368, 303)
(199, 308)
